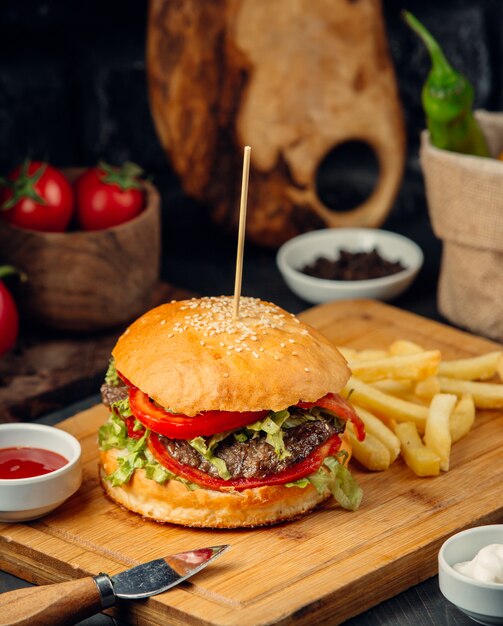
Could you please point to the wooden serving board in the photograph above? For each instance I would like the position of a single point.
(323, 568)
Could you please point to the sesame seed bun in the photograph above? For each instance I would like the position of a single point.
(192, 356)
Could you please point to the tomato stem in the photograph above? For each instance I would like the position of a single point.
(127, 176)
(24, 186)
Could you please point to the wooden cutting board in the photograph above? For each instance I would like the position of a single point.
(324, 568)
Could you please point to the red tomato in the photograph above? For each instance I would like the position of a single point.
(297, 471)
(9, 319)
(131, 432)
(176, 426)
(333, 402)
(37, 196)
(107, 196)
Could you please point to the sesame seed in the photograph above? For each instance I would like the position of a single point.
(171, 335)
(294, 353)
(306, 369)
(212, 316)
(291, 340)
(203, 343)
(226, 374)
(256, 355)
(282, 344)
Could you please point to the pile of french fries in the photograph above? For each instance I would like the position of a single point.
(415, 403)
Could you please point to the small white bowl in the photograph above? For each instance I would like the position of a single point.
(24, 499)
(306, 248)
(481, 601)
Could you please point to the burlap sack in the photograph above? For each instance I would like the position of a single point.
(465, 203)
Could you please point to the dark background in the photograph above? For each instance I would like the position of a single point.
(73, 90)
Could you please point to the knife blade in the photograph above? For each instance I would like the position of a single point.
(66, 603)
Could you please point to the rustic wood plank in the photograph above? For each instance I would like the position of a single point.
(323, 568)
(282, 95)
(49, 370)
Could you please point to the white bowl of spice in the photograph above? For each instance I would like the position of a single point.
(40, 468)
(349, 263)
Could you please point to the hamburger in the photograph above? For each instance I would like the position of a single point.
(225, 422)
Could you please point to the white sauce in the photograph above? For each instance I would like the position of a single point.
(487, 566)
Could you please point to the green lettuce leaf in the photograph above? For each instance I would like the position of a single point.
(122, 408)
(111, 377)
(272, 425)
(113, 434)
(335, 477)
(133, 459)
(206, 449)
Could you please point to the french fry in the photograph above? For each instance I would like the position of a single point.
(462, 418)
(417, 366)
(347, 353)
(437, 433)
(427, 388)
(376, 428)
(421, 460)
(475, 368)
(401, 347)
(370, 355)
(414, 403)
(370, 452)
(485, 395)
(499, 368)
(384, 405)
(394, 387)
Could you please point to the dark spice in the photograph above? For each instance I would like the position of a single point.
(353, 266)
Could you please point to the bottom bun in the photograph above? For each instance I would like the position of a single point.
(204, 508)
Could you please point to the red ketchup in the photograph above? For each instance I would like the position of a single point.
(25, 462)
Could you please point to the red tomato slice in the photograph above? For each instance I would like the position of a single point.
(177, 426)
(134, 434)
(300, 470)
(341, 407)
(125, 380)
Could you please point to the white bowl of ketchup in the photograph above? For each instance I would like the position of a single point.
(40, 468)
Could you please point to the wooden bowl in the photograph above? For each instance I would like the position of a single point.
(87, 281)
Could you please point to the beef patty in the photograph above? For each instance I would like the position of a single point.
(255, 458)
(113, 393)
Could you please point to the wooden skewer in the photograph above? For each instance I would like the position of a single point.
(241, 232)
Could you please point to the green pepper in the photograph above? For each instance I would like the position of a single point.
(447, 99)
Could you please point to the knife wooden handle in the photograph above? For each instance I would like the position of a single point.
(61, 604)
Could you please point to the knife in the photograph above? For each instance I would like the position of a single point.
(66, 603)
